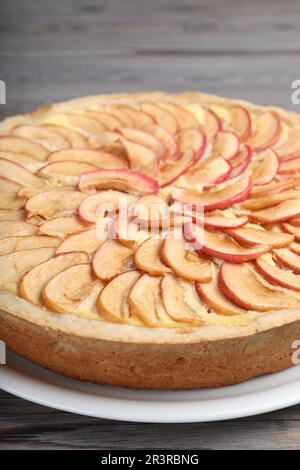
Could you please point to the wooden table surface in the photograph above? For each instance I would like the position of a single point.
(57, 50)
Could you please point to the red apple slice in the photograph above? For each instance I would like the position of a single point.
(173, 295)
(50, 204)
(112, 301)
(256, 236)
(215, 300)
(34, 281)
(12, 244)
(111, 259)
(208, 173)
(275, 274)
(291, 167)
(221, 246)
(295, 221)
(66, 168)
(295, 248)
(240, 122)
(290, 149)
(241, 161)
(143, 138)
(185, 118)
(8, 186)
(292, 230)
(224, 222)
(281, 212)
(172, 170)
(67, 291)
(11, 201)
(219, 198)
(108, 120)
(10, 143)
(141, 158)
(86, 125)
(104, 202)
(274, 188)
(139, 118)
(118, 114)
(14, 265)
(75, 139)
(93, 157)
(164, 118)
(226, 145)
(147, 257)
(167, 140)
(185, 263)
(151, 211)
(121, 180)
(87, 241)
(62, 226)
(266, 168)
(193, 139)
(19, 175)
(212, 124)
(268, 131)
(244, 287)
(268, 201)
(9, 228)
(49, 139)
(288, 259)
(143, 299)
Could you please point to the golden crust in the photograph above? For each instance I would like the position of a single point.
(141, 357)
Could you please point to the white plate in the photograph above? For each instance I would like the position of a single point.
(259, 395)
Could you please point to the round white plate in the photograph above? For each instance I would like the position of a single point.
(259, 395)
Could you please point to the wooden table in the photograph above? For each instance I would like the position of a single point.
(56, 50)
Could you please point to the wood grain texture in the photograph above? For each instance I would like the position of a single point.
(51, 51)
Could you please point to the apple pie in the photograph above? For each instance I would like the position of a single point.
(151, 240)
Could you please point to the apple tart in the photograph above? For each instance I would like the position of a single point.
(90, 290)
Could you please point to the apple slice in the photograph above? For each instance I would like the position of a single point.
(245, 288)
(143, 299)
(75, 139)
(141, 158)
(268, 201)
(241, 161)
(34, 281)
(295, 221)
(290, 168)
(256, 236)
(19, 175)
(295, 248)
(14, 265)
(105, 140)
(49, 139)
(87, 241)
(128, 233)
(212, 124)
(185, 263)
(221, 246)
(167, 140)
(108, 120)
(8, 186)
(111, 259)
(50, 204)
(275, 187)
(112, 301)
(292, 230)
(11, 201)
(288, 259)
(121, 180)
(185, 118)
(144, 139)
(215, 300)
(10, 143)
(193, 139)
(86, 125)
(224, 222)
(9, 228)
(281, 212)
(172, 170)
(173, 297)
(11, 244)
(268, 130)
(275, 274)
(22, 159)
(93, 157)
(290, 148)
(138, 117)
(66, 168)
(208, 173)
(164, 118)
(151, 211)
(240, 122)
(226, 145)
(62, 226)
(147, 257)
(266, 168)
(218, 198)
(66, 291)
(28, 193)
(104, 202)
(6, 214)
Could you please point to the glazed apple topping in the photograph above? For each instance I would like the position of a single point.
(152, 212)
